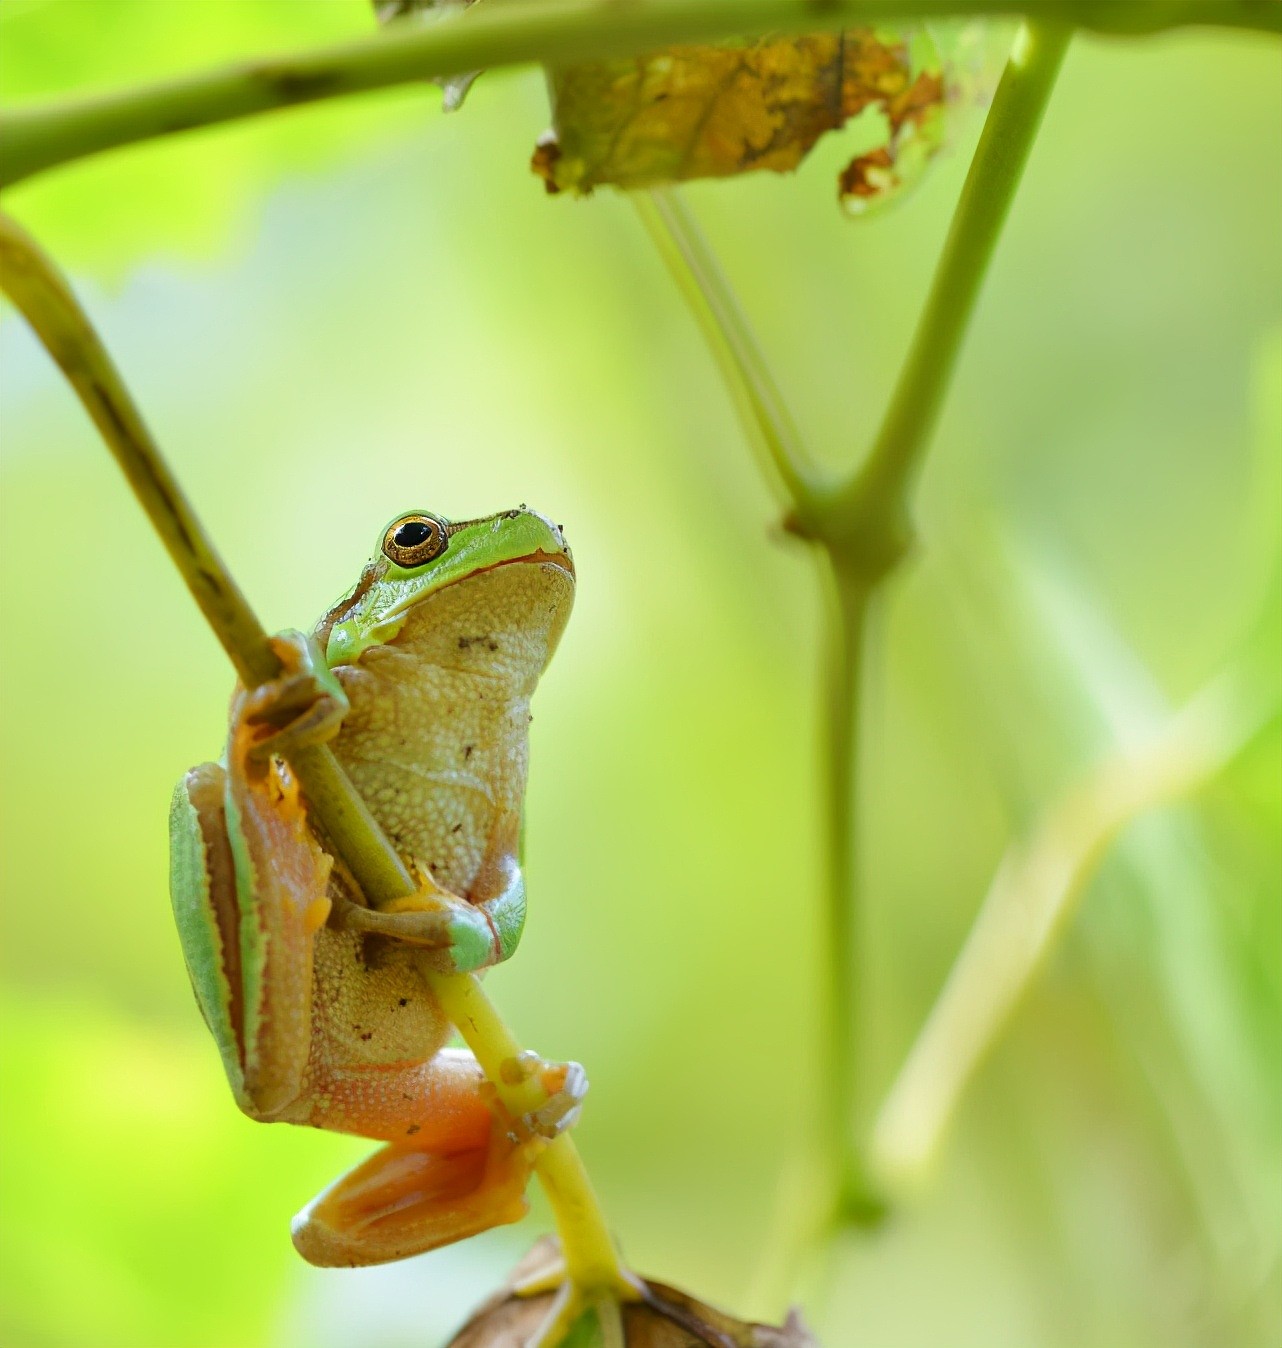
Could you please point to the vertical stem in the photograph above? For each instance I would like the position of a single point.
(867, 535)
(590, 1256)
(844, 1094)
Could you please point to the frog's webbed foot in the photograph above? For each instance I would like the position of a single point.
(303, 705)
(457, 1162)
(566, 1086)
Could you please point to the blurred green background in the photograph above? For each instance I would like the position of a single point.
(346, 311)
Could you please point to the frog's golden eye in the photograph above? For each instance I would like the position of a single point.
(415, 539)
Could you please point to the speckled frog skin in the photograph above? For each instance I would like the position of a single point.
(420, 680)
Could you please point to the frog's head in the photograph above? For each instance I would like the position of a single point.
(514, 567)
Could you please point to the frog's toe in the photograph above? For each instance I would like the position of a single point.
(566, 1084)
(474, 944)
(564, 1106)
(305, 704)
(455, 935)
(466, 940)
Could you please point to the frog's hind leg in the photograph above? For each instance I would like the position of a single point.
(453, 1166)
(248, 883)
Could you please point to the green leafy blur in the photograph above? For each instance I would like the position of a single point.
(346, 311)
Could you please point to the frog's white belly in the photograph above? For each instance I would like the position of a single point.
(439, 755)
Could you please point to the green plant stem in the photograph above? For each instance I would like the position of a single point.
(694, 267)
(866, 518)
(41, 136)
(763, 410)
(866, 529)
(43, 296)
(45, 299)
(843, 1103)
(863, 526)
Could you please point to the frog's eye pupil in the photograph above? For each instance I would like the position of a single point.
(415, 539)
(412, 533)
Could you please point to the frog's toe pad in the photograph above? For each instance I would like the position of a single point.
(567, 1085)
(402, 1201)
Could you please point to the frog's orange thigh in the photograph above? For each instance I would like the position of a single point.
(433, 1105)
(450, 1171)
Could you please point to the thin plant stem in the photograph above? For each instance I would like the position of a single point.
(45, 299)
(41, 293)
(693, 265)
(843, 1088)
(716, 309)
(41, 136)
(875, 502)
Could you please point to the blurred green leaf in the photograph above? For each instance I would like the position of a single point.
(162, 1215)
(1169, 954)
(188, 194)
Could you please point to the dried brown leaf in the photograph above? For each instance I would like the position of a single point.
(720, 110)
(716, 111)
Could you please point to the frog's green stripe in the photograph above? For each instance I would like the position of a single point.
(253, 939)
(198, 928)
(488, 933)
(507, 913)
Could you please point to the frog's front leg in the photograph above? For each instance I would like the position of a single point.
(303, 705)
(248, 883)
(456, 1163)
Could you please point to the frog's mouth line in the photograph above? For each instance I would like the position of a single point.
(538, 557)
(558, 559)
(561, 559)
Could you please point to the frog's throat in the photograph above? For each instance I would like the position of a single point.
(536, 558)
(345, 645)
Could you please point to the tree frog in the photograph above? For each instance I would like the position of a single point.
(420, 680)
